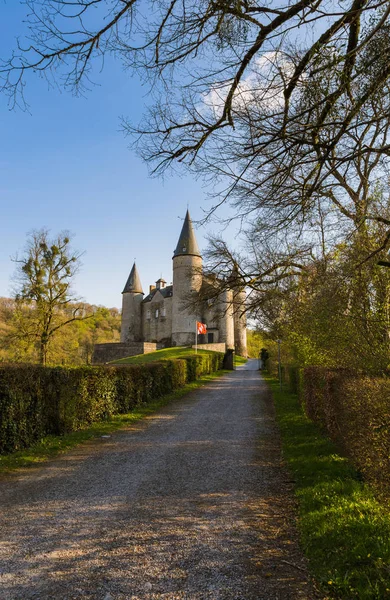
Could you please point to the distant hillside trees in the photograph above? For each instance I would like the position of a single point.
(72, 345)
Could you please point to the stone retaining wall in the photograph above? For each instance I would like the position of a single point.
(104, 353)
(220, 347)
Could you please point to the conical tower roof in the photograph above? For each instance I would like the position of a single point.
(187, 243)
(133, 284)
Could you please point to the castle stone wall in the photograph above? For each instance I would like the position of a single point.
(157, 326)
(213, 347)
(104, 353)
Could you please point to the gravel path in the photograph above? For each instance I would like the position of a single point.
(191, 503)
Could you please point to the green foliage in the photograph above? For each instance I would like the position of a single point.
(39, 401)
(255, 342)
(336, 312)
(345, 531)
(340, 316)
(308, 350)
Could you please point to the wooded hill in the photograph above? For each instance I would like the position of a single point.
(72, 345)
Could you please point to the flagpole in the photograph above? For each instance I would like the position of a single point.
(196, 337)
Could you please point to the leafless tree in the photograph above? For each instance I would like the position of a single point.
(227, 48)
(277, 102)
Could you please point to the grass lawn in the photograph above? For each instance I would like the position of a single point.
(164, 354)
(239, 360)
(345, 530)
(51, 446)
(168, 354)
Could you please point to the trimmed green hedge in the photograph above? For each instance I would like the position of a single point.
(355, 411)
(37, 401)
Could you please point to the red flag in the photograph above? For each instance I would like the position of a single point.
(201, 328)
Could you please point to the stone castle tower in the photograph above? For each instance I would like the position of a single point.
(187, 281)
(167, 316)
(132, 297)
(239, 315)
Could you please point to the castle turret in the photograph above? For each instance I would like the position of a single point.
(187, 281)
(239, 298)
(132, 296)
(226, 319)
(240, 323)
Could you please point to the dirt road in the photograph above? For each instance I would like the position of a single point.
(191, 503)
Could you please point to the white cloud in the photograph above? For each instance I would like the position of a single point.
(263, 85)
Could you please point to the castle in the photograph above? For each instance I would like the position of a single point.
(167, 316)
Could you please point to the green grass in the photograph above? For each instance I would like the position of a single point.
(165, 354)
(168, 354)
(239, 360)
(345, 530)
(51, 446)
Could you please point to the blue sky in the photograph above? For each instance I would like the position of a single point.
(67, 166)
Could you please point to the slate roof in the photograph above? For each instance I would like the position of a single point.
(166, 292)
(187, 243)
(133, 284)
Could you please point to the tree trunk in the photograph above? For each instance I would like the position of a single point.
(43, 349)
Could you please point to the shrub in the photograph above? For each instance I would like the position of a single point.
(355, 410)
(22, 415)
(36, 401)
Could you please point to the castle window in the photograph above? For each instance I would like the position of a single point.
(156, 313)
(148, 314)
(163, 312)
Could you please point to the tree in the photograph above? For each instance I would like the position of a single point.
(291, 231)
(239, 93)
(44, 299)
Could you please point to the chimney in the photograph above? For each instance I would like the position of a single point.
(151, 288)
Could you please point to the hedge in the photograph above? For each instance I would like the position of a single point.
(355, 411)
(38, 401)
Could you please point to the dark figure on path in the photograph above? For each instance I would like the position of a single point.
(263, 358)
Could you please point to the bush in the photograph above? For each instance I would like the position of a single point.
(37, 401)
(22, 416)
(355, 410)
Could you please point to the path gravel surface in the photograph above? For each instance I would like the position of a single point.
(191, 503)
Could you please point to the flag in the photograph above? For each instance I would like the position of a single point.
(201, 328)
